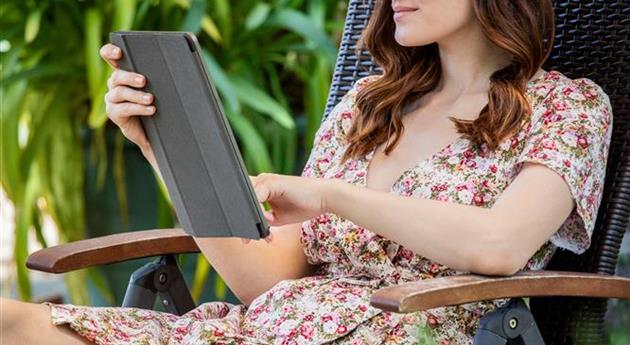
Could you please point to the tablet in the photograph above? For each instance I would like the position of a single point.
(190, 135)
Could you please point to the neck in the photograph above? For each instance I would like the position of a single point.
(468, 59)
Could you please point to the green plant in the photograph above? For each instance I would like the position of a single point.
(270, 60)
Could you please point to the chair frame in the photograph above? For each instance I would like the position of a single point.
(574, 290)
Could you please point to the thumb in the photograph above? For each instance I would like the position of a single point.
(262, 191)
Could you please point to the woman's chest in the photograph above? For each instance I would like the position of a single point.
(456, 173)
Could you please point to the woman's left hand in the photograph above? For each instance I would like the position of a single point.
(292, 198)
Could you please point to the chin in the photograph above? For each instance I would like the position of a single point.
(409, 38)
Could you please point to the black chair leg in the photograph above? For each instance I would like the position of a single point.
(512, 324)
(162, 278)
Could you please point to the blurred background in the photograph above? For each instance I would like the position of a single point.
(67, 173)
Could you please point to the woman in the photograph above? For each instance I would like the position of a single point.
(450, 159)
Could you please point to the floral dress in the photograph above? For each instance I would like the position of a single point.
(569, 132)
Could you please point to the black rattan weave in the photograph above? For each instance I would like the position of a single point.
(591, 41)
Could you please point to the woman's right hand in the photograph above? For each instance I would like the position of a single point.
(124, 103)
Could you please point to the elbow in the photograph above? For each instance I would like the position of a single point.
(496, 263)
(246, 299)
(497, 254)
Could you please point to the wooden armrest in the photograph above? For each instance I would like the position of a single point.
(459, 289)
(111, 249)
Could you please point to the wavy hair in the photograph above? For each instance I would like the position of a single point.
(524, 29)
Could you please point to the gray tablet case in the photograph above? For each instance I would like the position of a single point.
(192, 140)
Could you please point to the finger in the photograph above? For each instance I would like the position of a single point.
(263, 185)
(269, 238)
(134, 131)
(253, 180)
(269, 216)
(262, 192)
(123, 93)
(126, 78)
(110, 53)
(121, 111)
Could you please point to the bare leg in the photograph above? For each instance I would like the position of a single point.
(29, 323)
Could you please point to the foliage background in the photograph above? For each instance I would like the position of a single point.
(271, 62)
(60, 157)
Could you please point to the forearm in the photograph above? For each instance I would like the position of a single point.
(253, 268)
(426, 227)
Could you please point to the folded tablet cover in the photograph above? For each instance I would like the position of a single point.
(191, 138)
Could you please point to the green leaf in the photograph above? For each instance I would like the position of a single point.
(222, 10)
(262, 102)
(210, 28)
(119, 179)
(200, 278)
(254, 145)
(24, 222)
(98, 156)
(317, 12)
(43, 71)
(65, 182)
(290, 138)
(221, 81)
(93, 62)
(220, 289)
(32, 25)
(194, 16)
(305, 27)
(315, 97)
(124, 13)
(10, 153)
(41, 127)
(37, 225)
(164, 207)
(77, 289)
(101, 285)
(98, 116)
(257, 15)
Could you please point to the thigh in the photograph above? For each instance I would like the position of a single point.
(29, 323)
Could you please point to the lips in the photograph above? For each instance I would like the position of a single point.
(404, 9)
(401, 11)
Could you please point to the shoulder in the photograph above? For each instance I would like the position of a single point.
(575, 104)
(558, 93)
(344, 113)
(359, 85)
(364, 81)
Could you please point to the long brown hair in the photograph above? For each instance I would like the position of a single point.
(524, 29)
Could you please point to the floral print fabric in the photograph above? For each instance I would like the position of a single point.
(569, 131)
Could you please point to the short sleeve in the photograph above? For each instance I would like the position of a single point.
(570, 134)
(329, 138)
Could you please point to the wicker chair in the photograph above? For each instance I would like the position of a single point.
(591, 41)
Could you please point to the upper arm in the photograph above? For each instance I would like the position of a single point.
(286, 249)
(531, 209)
(557, 192)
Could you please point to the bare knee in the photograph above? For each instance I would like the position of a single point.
(29, 323)
(11, 316)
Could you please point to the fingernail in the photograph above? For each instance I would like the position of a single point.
(116, 51)
(139, 80)
(146, 98)
(150, 109)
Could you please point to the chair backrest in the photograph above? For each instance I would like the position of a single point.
(591, 41)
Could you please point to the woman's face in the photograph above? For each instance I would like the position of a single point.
(422, 22)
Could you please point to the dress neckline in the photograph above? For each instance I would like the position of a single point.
(367, 158)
